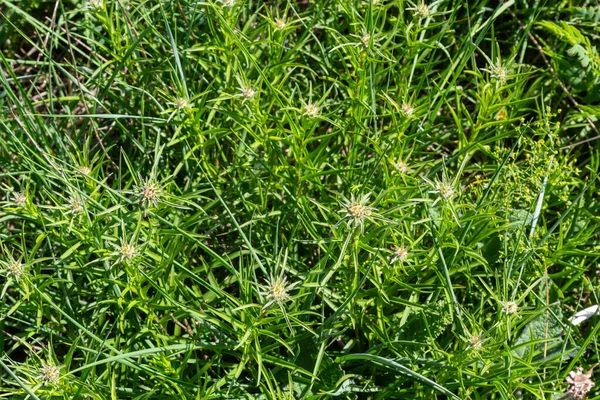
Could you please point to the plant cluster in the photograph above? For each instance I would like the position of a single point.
(239, 199)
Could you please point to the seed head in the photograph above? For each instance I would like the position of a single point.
(475, 342)
(75, 205)
(247, 92)
(149, 192)
(445, 190)
(509, 307)
(401, 166)
(365, 39)
(580, 383)
(357, 210)
(422, 10)
(20, 199)
(85, 170)
(311, 110)
(498, 72)
(14, 268)
(49, 374)
(280, 23)
(400, 254)
(278, 290)
(181, 103)
(126, 250)
(408, 110)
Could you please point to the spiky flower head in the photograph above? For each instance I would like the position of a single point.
(365, 39)
(126, 250)
(498, 72)
(580, 383)
(247, 92)
(401, 166)
(277, 290)
(280, 23)
(75, 205)
(228, 3)
(149, 192)
(85, 169)
(422, 10)
(444, 188)
(49, 374)
(400, 254)
(311, 110)
(407, 110)
(20, 199)
(357, 210)
(509, 307)
(181, 103)
(14, 268)
(475, 342)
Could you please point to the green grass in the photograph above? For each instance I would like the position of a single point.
(298, 199)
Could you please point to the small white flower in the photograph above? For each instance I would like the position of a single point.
(126, 250)
(280, 23)
(365, 39)
(407, 110)
(49, 374)
(247, 92)
(149, 192)
(311, 110)
(75, 205)
(401, 166)
(228, 3)
(400, 254)
(277, 290)
(509, 307)
(422, 10)
(14, 268)
(20, 199)
(445, 190)
(475, 342)
(85, 170)
(181, 103)
(357, 210)
(580, 383)
(443, 187)
(498, 72)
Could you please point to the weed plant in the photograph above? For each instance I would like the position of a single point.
(332, 199)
